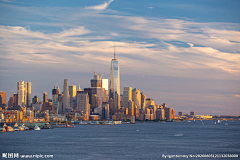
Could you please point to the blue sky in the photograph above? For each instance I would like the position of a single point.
(184, 53)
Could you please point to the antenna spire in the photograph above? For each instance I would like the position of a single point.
(114, 51)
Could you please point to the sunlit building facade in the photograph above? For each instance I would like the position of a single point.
(127, 95)
(136, 97)
(114, 89)
(28, 94)
(20, 89)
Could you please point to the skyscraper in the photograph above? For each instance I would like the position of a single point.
(136, 97)
(98, 93)
(127, 95)
(66, 97)
(20, 89)
(54, 94)
(3, 99)
(83, 105)
(24, 93)
(114, 89)
(28, 94)
(45, 97)
(72, 93)
(15, 99)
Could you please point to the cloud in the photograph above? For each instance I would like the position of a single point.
(101, 6)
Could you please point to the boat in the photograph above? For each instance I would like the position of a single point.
(15, 128)
(178, 135)
(25, 127)
(68, 126)
(219, 121)
(7, 128)
(214, 122)
(36, 128)
(2, 130)
(189, 121)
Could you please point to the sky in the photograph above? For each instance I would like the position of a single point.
(184, 53)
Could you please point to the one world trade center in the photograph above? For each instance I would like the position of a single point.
(114, 91)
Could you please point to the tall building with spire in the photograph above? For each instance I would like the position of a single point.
(114, 89)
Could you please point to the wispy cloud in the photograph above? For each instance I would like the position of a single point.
(101, 6)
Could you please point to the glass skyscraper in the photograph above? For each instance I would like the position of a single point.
(114, 91)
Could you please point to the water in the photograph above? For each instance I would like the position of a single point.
(127, 141)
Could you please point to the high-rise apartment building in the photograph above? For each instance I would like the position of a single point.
(3, 99)
(66, 97)
(114, 89)
(136, 97)
(127, 95)
(72, 93)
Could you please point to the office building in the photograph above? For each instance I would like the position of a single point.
(160, 114)
(98, 93)
(27, 96)
(192, 113)
(66, 97)
(169, 113)
(83, 105)
(10, 102)
(15, 99)
(105, 111)
(136, 97)
(114, 89)
(45, 97)
(112, 108)
(180, 113)
(35, 99)
(143, 99)
(55, 93)
(3, 99)
(72, 93)
(127, 95)
(131, 108)
(20, 89)
(148, 102)
(105, 86)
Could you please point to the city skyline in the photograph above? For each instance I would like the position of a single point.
(183, 53)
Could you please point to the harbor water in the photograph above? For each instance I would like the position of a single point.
(127, 141)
